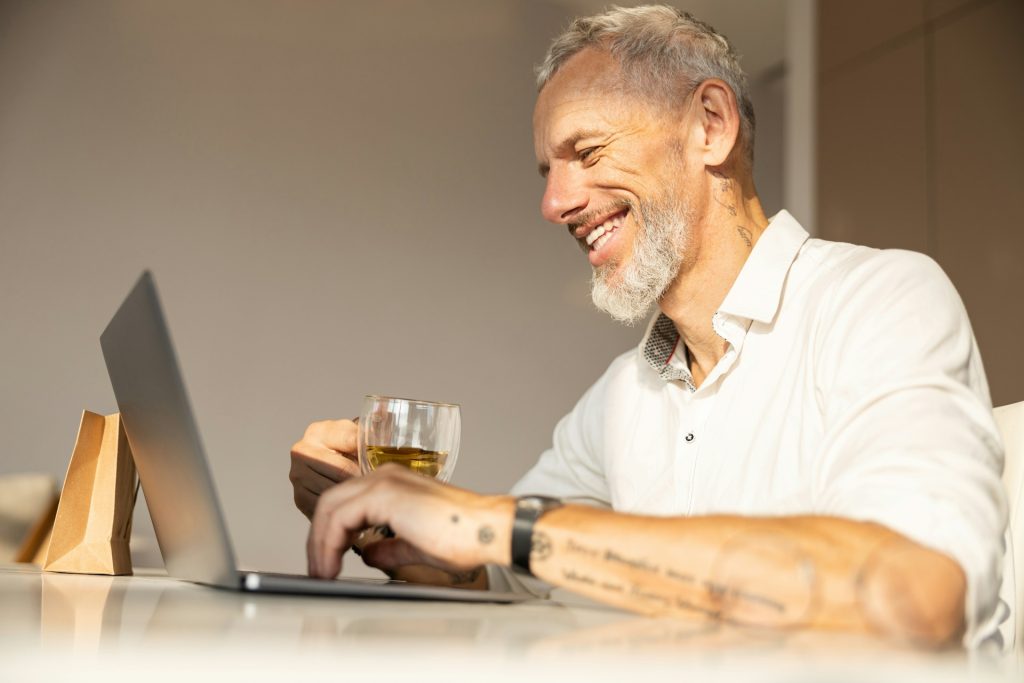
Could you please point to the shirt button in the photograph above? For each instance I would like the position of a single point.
(689, 437)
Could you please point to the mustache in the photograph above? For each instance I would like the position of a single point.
(588, 217)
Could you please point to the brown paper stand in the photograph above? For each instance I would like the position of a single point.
(94, 516)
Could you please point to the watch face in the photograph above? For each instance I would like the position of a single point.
(537, 504)
(532, 503)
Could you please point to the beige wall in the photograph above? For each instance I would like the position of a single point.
(336, 198)
(921, 146)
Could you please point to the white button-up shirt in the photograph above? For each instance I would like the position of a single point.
(851, 387)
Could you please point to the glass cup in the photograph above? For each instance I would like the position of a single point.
(422, 436)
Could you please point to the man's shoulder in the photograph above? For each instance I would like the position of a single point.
(839, 271)
(840, 260)
(894, 299)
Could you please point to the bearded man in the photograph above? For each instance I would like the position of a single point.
(804, 437)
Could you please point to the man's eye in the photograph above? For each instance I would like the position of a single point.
(584, 154)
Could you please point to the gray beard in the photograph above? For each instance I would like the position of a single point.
(627, 292)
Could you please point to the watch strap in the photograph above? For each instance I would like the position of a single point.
(528, 510)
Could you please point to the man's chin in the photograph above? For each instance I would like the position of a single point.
(626, 308)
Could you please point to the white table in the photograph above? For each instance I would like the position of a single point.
(150, 627)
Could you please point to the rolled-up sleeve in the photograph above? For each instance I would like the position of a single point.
(910, 439)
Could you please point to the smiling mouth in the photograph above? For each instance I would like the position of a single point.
(597, 237)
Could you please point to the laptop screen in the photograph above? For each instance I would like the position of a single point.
(164, 440)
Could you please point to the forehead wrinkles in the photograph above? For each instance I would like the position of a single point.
(590, 81)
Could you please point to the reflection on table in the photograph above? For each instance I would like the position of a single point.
(56, 625)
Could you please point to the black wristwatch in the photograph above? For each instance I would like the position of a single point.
(528, 510)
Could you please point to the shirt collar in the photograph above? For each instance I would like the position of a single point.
(757, 291)
(659, 345)
(755, 295)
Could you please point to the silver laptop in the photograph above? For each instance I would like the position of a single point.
(164, 439)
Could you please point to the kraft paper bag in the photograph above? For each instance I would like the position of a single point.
(94, 516)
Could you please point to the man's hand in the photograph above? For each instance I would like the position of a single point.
(399, 560)
(326, 455)
(440, 529)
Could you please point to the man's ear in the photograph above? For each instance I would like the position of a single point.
(718, 115)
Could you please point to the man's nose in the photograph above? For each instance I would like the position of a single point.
(565, 196)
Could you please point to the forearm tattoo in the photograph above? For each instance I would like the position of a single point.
(731, 593)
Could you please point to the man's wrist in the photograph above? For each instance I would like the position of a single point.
(528, 511)
(494, 532)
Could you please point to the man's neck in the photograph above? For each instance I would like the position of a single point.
(721, 242)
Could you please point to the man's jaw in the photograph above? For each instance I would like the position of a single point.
(639, 273)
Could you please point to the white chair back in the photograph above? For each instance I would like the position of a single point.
(1011, 425)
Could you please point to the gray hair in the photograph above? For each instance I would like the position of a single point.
(663, 53)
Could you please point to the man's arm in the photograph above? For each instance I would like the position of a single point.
(797, 572)
(909, 439)
(788, 572)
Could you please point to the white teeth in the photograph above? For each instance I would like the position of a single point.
(599, 235)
